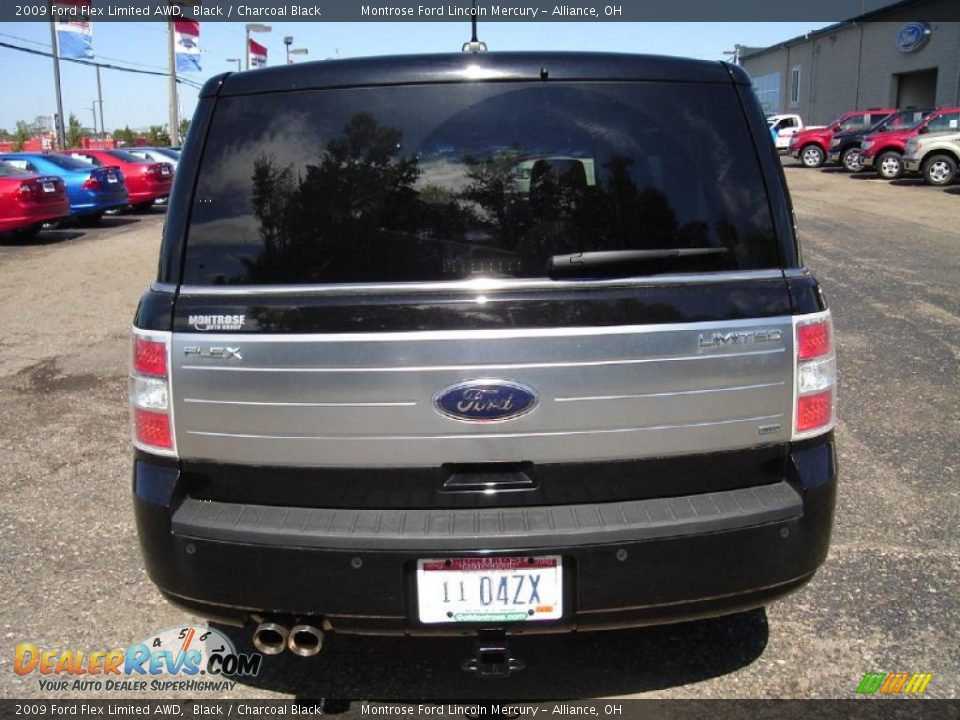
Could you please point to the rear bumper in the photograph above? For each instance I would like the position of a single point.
(35, 215)
(625, 564)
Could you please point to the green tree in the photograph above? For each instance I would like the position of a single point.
(184, 126)
(125, 136)
(4, 135)
(158, 136)
(22, 135)
(74, 132)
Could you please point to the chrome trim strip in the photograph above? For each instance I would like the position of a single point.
(496, 334)
(669, 394)
(163, 287)
(478, 284)
(474, 436)
(800, 272)
(481, 368)
(404, 403)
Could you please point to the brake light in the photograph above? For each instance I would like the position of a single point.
(815, 375)
(28, 190)
(150, 402)
(91, 183)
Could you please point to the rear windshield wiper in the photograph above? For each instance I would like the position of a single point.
(623, 262)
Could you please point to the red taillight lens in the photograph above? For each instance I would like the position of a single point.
(92, 183)
(814, 411)
(149, 356)
(27, 190)
(813, 340)
(152, 428)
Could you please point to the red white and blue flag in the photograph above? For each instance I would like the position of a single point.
(74, 29)
(258, 55)
(187, 38)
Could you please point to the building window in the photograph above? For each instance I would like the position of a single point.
(795, 85)
(767, 89)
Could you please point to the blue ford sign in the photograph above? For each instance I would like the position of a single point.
(483, 401)
(913, 36)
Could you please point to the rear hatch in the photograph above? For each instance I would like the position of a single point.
(365, 265)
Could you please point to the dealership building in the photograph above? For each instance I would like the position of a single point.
(891, 57)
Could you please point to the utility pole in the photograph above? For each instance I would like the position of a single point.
(103, 128)
(93, 111)
(174, 109)
(61, 131)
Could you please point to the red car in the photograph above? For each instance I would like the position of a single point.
(28, 200)
(812, 145)
(146, 181)
(884, 151)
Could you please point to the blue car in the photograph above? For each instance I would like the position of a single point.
(92, 190)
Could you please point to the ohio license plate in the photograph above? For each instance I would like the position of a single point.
(512, 589)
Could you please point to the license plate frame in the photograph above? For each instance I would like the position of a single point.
(49, 186)
(517, 589)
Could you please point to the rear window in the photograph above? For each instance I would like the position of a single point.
(459, 181)
(8, 170)
(67, 163)
(125, 155)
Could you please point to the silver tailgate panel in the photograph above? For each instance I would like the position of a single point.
(366, 400)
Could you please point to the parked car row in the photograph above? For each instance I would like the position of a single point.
(888, 141)
(91, 182)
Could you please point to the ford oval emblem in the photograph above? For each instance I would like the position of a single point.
(913, 36)
(484, 401)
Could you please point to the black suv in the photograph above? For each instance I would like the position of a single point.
(845, 146)
(501, 342)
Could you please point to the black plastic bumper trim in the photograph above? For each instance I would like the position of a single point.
(537, 527)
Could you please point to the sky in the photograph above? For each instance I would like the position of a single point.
(141, 100)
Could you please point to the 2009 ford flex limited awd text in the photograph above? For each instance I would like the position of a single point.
(498, 342)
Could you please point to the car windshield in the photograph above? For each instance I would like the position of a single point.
(453, 182)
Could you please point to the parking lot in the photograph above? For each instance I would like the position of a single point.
(888, 255)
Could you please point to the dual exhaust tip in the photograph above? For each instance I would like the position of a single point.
(272, 638)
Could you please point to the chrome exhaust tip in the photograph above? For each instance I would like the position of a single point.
(270, 638)
(305, 640)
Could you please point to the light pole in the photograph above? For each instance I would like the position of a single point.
(296, 51)
(236, 60)
(93, 109)
(252, 27)
(288, 41)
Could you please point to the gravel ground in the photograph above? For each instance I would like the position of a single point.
(888, 255)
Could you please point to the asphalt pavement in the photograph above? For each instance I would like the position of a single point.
(887, 599)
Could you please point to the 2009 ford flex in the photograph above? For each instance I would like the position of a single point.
(498, 342)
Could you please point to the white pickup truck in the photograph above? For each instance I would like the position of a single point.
(782, 128)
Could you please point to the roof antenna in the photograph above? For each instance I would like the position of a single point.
(474, 46)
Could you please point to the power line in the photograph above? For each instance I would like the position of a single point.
(43, 53)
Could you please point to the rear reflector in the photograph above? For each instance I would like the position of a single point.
(149, 356)
(152, 428)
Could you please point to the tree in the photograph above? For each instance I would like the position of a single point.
(22, 135)
(184, 126)
(158, 136)
(125, 136)
(74, 132)
(4, 135)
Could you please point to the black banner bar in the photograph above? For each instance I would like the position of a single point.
(244, 11)
(861, 709)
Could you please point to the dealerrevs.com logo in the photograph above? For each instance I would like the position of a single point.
(192, 658)
(894, 683)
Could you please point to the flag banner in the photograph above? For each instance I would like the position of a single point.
(187, 37)
(74, 29)
(258, 55)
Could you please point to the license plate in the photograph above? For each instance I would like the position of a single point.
(512, 589)
(164, 170)
(49, 187)
(111, 178)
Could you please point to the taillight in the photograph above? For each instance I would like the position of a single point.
(815, 409)
(28, 190)
(91, 183)
(150, 401)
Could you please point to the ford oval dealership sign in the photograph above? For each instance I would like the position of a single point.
(913, 36)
